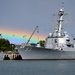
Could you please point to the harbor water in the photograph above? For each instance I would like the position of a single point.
(37, 67)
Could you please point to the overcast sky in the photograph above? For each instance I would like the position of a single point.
(24, 15)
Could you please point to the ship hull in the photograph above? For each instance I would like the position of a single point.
(29, 52)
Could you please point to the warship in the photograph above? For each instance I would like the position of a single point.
(58, 45)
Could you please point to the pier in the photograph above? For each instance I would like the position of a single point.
(12, 56)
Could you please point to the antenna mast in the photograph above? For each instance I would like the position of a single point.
(60, 20)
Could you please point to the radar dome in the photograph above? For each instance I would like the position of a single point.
(50, 34)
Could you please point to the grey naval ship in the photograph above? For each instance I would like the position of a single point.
(58, 45)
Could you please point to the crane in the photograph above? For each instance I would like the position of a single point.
(31, 35)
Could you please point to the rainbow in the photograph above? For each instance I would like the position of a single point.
(16, 37)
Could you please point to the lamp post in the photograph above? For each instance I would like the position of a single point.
(24, 37)
(1, 36)
(14, 39)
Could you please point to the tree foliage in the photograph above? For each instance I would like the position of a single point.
(5, 45)
(42, 43)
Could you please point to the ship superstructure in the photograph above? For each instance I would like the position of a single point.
(59, 40)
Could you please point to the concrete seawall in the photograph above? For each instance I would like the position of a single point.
(12, 57)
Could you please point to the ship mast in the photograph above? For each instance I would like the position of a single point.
(60, 21)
